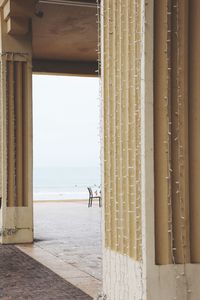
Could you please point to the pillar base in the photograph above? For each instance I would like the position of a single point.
(17, 225)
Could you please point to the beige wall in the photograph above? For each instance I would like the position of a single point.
(177, 123)
(154, 275)
(122, 129)
(122, 156)
(171, 131)
(16, 217)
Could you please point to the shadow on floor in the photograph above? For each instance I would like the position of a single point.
(21, 277)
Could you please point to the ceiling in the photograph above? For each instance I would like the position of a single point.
(65, 33)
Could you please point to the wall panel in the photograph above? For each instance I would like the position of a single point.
(122, 155)
(162, 132)
(176, 131)
(194, 128)
(16, 77)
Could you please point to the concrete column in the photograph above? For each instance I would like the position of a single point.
(194, 125)
(16, 213)
(148, 105)
(122, 65)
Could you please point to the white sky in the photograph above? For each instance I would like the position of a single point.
(66, 121)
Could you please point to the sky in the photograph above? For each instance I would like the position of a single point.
(66, 118)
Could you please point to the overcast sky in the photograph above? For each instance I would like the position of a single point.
(65, 121)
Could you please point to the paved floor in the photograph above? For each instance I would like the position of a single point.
(23, 278)
(71, 231)
(68, 241)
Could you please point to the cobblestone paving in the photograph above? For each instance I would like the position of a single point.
(23, 278)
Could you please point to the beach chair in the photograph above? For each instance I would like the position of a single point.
(91, 197)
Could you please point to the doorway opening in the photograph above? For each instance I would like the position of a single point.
(66, 152)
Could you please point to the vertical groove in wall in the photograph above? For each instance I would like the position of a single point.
(118, 126)
(175, 132)
(138, 37)
(25, 178)
(11, 135)
(162, 133)
(171, 155)
(122, 80)
(194, 128)
(126, 130)
(17, 160)
(124, 127)
(116, 123)
(131, 137)
(179, 107)
(112, 100)
(107, 126)
(120, 161)
(19, 138)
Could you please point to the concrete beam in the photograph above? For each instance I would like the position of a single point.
(18, 8)
(17, 26)
(64, 67)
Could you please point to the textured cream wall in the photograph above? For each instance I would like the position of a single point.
(122, 156)
(122, 126)
(122, 278)
(125, 278)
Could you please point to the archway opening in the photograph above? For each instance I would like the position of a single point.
(66, 144)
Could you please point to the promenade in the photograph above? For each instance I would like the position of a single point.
(66, 255)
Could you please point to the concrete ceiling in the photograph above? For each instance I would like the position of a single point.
(65, 32)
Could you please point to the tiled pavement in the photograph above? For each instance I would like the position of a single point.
(72, 232)
(68, 241)
(23, 278)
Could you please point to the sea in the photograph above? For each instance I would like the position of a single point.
(65, 183)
